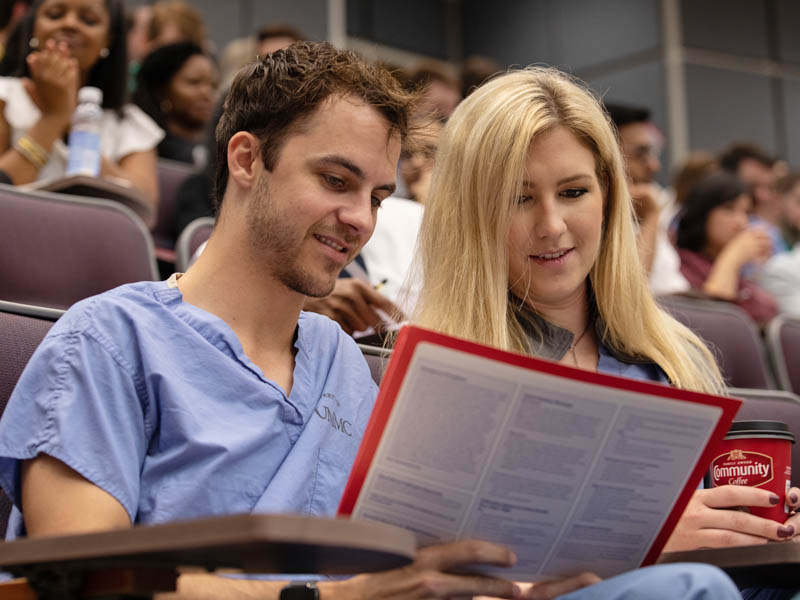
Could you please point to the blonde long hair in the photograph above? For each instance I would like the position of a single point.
(462, 252)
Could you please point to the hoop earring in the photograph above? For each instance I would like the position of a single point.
(104, 52)
(33, 43)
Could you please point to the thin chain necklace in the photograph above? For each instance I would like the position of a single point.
(578, 341)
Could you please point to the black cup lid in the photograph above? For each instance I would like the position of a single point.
(760, 429)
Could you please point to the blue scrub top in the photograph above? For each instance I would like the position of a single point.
(153, 400)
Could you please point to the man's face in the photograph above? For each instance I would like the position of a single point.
(313, 212)
(641, 145)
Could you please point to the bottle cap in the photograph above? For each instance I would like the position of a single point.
(90, 94)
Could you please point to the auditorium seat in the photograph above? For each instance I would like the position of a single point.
(22, 327)
(376, 358)
(732, 336)
(59, 249)
(195, 233)
(170, 176)
(783, 344)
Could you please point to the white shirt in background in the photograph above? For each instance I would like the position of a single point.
(390, 251)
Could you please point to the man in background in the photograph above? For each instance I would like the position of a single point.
(641, 144)
(756, 168)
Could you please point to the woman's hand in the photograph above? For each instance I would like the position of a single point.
(751, 245)
(711, 519)
(54, 81)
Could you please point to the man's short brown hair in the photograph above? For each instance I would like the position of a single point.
(274, 95)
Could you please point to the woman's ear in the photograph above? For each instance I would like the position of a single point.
(243, 156)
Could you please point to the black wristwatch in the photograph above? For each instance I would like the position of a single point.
(300, 590)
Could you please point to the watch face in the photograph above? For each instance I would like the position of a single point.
(300, 591)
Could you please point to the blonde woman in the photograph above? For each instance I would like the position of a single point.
(528, 243)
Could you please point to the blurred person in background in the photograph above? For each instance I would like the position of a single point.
(177, 87)
(441, 93)
(756, 168)
(475, 70)
(60, 46)
(695, 168)
(11, 12)
(641, 144)
(175, 21)
(781, 274)
(241, 51)
(416, 165)
(781, 278)
(277, 36)
(236, 54)
(717, 243)
(137, 25)
(391, 250)
(441, 88)
(788, 188)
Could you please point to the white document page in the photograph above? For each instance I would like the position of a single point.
(571, 476)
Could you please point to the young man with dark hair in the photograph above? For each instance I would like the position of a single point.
(641, 144)
(755, 167)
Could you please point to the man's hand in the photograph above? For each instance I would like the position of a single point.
(428, 576)
(711, 521)
(352, 304)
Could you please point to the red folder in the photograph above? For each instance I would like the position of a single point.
(411, 336)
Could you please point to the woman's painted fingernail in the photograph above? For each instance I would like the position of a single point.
(785, 531)
(774, 499)
(793, 498)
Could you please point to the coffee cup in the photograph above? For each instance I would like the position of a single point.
(757, 454)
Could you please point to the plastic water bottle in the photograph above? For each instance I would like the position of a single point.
(84, 134)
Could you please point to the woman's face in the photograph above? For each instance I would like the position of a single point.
(557, 223)
(725, 222)
(82, 24)
(191, 91)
